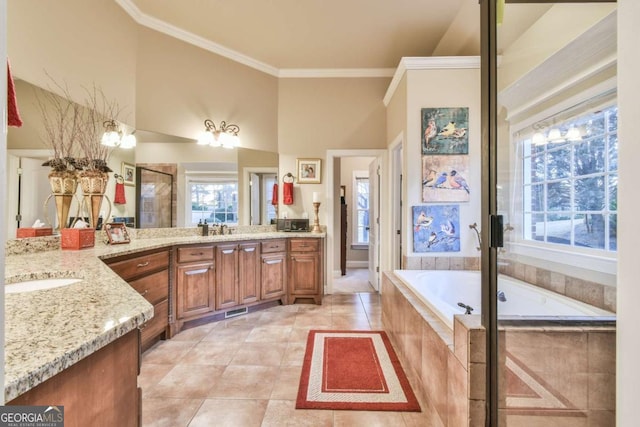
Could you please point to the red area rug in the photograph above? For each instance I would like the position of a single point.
(356, 370)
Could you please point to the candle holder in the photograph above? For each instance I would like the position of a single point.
(316, 221)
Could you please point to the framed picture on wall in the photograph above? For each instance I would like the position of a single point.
(309, 171)
(129, 174)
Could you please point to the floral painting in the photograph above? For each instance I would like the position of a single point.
(445, 130)
(445, 179)
(436, 228)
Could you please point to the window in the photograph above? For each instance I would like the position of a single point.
(361, 208)
(216, 201)
(570, 186)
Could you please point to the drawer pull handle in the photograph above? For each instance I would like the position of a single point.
(228, 251)
(146, 291)
(197, 253)
(141, 327)
(144, 264)
(275, 261)
(249, 249)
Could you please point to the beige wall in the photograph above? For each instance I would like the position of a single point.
(397, 111)
(77, 42)
(315, 115)
(180, 85)
(432, 89)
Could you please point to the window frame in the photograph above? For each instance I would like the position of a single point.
(191, 179)
(355, 242)
(598, 260)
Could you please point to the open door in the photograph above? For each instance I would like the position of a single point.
(374, 224)
(254, 188)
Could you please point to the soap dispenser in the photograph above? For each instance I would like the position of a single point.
(205, 228)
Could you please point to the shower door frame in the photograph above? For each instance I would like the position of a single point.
(491, 239)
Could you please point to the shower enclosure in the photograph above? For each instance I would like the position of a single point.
(549, 207)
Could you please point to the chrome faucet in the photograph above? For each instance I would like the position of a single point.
(501, 296)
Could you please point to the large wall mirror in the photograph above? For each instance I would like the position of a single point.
(246, 175)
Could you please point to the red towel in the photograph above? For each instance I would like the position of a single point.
(274, 196)
(287, 193)
(12, 103)
(119, 199)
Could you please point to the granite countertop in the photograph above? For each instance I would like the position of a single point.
(47, 331)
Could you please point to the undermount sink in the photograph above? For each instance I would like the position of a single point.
(38, 285)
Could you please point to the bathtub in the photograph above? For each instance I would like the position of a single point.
(442, 290)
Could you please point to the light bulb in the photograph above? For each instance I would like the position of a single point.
(573, 134)
(538, 139)
(128, 141)
(205, 138)
(110, 139)
(555, 135)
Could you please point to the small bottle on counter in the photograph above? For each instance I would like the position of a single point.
(205, 228)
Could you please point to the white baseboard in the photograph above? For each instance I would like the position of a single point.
(357, 264)
(337, 273)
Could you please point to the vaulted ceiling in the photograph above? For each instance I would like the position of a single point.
(277, 36)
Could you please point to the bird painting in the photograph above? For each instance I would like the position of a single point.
(430, 179)
(441, 180)
(423, 221)
(448, 228)
(459, 133)
(430, 131)
(448, 130)
(458, 182)
(433, 239)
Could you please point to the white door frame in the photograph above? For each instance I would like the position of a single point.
(332, 191)
(396, 169)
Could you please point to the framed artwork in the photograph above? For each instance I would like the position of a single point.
(445, 130)
(436, 228)
(129, 174)
(444, 179)
(309, 171)
(117, 233)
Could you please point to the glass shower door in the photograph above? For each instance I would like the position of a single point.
(556, 191)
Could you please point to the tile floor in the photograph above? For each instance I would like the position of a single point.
(356, 280)
(245, 371)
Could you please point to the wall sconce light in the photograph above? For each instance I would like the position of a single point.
(114, 137)
(555, 136)
(225, 136)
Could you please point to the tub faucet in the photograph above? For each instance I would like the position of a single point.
(501, 296)
(468, 309)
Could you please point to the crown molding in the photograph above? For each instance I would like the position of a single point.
(335, 72)
(428, 63)
(165, 28)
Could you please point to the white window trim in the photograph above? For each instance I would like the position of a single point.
(585, 258)
(355, 244)
(191, 178)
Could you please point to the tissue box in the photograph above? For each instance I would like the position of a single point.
(33, 232)
(77, 238)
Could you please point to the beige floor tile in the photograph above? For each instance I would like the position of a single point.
(229, 334)
(194, 334)
(269, 334)
(167, 352)
(169, 412)
(294, 354)
(367, 419)
(187, 381)
(211, 353)
(313, 321)
(270, 318)
(230, 413)
(350, 322)
(282, 413)
(245, 382)
(260, 353)
(286, 385)
(151, 374)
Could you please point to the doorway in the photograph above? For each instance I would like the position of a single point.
(351, 169)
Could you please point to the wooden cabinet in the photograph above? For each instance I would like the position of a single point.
(148, 273)
(228, 294)
(195, 288)
(99, 390)
(249, 276)
(273, 268)
(306, 278)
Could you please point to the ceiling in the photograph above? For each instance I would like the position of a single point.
(291, 37)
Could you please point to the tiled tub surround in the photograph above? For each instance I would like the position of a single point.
(596, 294)
(440, 263)
(561, 375)
(47, 331)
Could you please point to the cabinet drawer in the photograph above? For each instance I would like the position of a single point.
(159, 322)
(273, 246)
(304, 245)
(195, 253)
(154, 287)
(141, 265)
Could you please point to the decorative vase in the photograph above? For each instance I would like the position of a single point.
(63, 187)
(94, 185)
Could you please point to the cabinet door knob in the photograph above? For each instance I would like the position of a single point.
(144, 264)
(146, 291)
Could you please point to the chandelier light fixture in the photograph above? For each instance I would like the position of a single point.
(114, 137)
(555, 134)
(226, 135)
